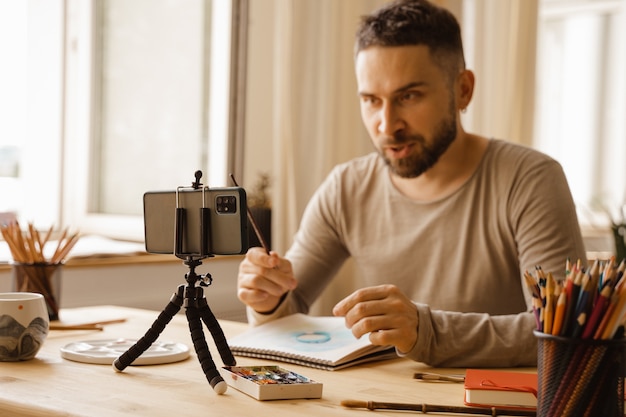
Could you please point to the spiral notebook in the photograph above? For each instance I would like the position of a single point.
(317, 342)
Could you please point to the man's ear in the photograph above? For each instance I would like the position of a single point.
(465, 89)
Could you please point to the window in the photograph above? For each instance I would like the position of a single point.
(30, 82)
(139, 99)
(582, 100)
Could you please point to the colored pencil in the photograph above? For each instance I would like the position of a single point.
(598, 310)
(570, 311)
(549, 304)
(588, 304)
(559, 313)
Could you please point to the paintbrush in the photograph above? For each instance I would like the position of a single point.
(430, 408)
(76, 327)
(97, 325)
(257, 231)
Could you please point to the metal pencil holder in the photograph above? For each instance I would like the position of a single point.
(580, 377)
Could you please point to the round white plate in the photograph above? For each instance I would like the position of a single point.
(104, 352)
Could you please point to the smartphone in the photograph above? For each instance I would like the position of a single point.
(226, 231)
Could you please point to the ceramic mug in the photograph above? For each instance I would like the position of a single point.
(24, 325)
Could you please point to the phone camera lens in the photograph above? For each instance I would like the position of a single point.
(226, 204)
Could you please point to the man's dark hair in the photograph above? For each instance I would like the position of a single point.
(415, 22)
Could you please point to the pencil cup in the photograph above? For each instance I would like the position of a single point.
(43, 278)
(580, 377)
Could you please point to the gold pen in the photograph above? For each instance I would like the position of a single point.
(427, 376)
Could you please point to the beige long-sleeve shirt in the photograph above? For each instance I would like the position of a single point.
(460, 258)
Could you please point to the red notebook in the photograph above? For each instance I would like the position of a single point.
(490, 388)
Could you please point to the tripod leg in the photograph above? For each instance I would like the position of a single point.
(153, 332)
(202, 350)
(216, 331)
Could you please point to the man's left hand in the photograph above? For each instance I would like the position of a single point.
(384, 312)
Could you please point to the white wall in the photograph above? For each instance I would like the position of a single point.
(258, 156)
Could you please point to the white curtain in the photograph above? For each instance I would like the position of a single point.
(500, 41)
(317, 123)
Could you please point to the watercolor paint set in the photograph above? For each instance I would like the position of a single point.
(271, 382)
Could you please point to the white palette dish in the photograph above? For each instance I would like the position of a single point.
(104, 352)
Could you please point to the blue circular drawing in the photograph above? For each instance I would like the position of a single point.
(313, 337)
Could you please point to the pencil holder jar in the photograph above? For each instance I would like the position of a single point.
(40, 277)
(580, 377)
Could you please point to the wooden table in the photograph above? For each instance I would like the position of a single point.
(52, 386)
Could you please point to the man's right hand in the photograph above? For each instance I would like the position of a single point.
(263, 279)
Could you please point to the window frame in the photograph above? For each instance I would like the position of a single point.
(227, 90)
(601, 156)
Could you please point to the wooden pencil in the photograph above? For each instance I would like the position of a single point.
(559, 313)
(598, 311)
(570, 311)
(607, 316)
(616, 317)
(549, 304)
(28, 247)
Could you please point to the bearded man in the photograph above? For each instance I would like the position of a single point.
(441, 223)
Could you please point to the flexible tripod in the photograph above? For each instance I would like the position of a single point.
(196, 307)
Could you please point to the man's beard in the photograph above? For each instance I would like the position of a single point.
(417, 163)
